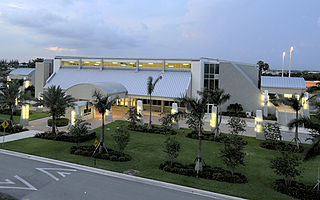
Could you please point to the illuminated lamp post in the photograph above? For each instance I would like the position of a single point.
(283, 55)
(140, 112)
(291, 49)
(24, 119)
(174, 110)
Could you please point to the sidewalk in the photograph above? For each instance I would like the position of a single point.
(19, 136)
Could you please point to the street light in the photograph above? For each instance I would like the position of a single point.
(283, 55)
(291, 49)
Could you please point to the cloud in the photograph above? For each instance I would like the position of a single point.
(59, 49)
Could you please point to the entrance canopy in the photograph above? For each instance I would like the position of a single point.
(85, 90)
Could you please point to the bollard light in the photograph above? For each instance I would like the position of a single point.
(25, 112)
(258, 121)
(73, 117)
(213, 120)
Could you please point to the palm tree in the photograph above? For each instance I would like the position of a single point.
(56, 101)
(11, 94)
(217, 97)
(196, 111)
(102, 104)
(314, 125)
(151, 85)
(296, 104)
(262, 67)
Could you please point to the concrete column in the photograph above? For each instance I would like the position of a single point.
(80, 63)
(266, 101)
(162, 106)
(163, 65)
(108, 116)
(101, 64)
(140, 111)
(137, 65)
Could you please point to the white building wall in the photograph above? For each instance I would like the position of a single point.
(196, 77)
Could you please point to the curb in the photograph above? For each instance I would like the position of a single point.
(123, 176)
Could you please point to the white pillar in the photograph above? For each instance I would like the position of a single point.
(137, 65)
(174, 110)
(140, 111)
(258, 125)
(266, 101)
(24, 119)
(108, 116)
(101, 64)
(213, 119)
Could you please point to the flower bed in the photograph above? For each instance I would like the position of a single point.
(63, 136)
(110, 155)
(296, 190)
(212, 173)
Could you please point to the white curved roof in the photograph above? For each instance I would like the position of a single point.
(172, 84)
(283, 82)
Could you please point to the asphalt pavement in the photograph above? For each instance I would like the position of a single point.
(29, 178)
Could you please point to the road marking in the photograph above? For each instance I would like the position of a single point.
(8, 181)
(62, 172)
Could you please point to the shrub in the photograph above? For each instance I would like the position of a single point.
(287, 166)
(155, 129)
(121, 137)
(172, 148)
(237, 125)
(110, 155)
(7, 111)
(271, 131)
(222, 138)
(12, 129)
(281, 146)
(235, 108)
(63, 136)
(212, 173)
(296, 190)
(80, 128)
(134, 117)
(59, 122)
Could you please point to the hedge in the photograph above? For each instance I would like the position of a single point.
(281, 146)
(59, 122)
(110, 155)
(212, 173)
(12, 129)
(209, 136)
(63, 136)
(296, 190)
(155, 129)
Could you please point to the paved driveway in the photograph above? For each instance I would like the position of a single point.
(25, 178)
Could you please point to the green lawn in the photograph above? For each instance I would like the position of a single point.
(33, 116)
(147, 153)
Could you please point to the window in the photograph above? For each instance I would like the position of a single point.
(209, 76)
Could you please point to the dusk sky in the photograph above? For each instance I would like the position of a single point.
(239, 30)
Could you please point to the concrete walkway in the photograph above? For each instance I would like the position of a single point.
(19, 136)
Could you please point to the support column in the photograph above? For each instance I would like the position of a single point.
(80, 64)
(266, 101)
(101, 64)
(163, 65)
(137, 65)
(162, 106)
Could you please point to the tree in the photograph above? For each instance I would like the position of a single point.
(102, 104)
(314, 125)
(121, 137)
(235, 108)
(56, 101)
(296, 103)
(232, 154)
(172, 148)
(5, 67)
(237, 125)
(217, 97)
(133, 116)
(262, 67)
(32, 63)
(197, 108)
(271, 131)
(287, 166)
(150, 86)
(80, 128)
(169, 119)
(11, 95)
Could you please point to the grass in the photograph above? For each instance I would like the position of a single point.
(6, 197)
(33, 115)
(147, 153)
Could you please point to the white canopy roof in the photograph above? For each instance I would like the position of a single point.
(22, 71)
(172, 84)
(283, 82)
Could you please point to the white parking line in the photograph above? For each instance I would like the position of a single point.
(8, 181)
(59, 171)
